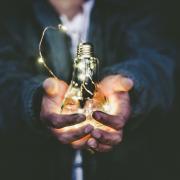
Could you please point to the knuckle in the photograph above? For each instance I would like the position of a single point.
(63, 139)
(118, 126)
(59, 138)
(118, 123)
(106, 139)
(54, 123)
(119, 140)
(82, 131)
(77, 136)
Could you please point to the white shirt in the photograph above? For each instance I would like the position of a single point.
(77, 29)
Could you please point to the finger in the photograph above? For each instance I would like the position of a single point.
(120, 103)
(54, 95)
(72, 134)
(107, 138)
(125, 84)
(82, 143)
(115, 83)
(54, 87)
(59, 121)
(108, 120)
(92, 143)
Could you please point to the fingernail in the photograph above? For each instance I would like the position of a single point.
(88, 129)
(96, 134)
(92, 143)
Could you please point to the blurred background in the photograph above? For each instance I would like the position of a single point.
(166, 135)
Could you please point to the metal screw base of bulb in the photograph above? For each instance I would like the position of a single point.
(85, 49)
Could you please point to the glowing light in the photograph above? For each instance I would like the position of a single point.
(81, 65)
(62, 28)
(74, 97)
(107, 107)
(82, 77)
(40, 60)
(92, 66)
(81, 87)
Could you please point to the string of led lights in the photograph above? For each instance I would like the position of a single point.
(81, 65)
(41, 59)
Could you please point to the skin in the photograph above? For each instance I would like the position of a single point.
(116, 89)
(104, 141)
(51, 102)
(87, 137)
(67, 7)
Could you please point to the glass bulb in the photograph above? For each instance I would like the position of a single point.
(82, 89)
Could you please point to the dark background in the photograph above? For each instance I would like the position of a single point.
(168, 138)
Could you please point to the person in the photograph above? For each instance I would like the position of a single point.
(137, 66)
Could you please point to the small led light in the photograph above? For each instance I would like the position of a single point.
(81, 65)
(107, 107)
(82, 77)
(40, 60)
(62, 28)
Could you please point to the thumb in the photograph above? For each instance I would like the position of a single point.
(115, 83)
(123, 84)
(54, 87)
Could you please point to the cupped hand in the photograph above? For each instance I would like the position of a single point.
(115, 89)
(63, 127)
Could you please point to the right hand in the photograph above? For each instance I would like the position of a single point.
(57, 123)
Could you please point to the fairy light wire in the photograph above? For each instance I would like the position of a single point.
(41, 59)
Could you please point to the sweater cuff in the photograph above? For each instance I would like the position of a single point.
(31, 100)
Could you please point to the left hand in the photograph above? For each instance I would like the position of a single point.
(115, 88)
(61, 126)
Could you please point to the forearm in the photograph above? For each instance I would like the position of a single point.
(17, 93)
(153, 82)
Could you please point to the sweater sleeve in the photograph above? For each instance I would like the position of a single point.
(19, 87)
(150, 64)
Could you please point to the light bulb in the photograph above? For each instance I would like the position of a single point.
(82, 95)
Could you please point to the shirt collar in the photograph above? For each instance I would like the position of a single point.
(86, 10)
